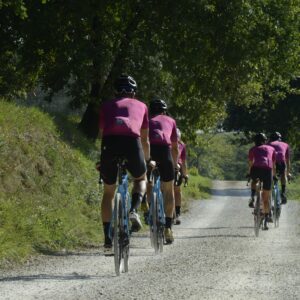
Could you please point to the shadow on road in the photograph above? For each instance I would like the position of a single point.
(231, 192)
(73, 276)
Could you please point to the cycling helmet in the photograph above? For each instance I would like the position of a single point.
(125, 84)
(157, 106)
(260, 138)
(275, 136)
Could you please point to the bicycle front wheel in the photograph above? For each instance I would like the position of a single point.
(154, 222)
(257, 216)
(277, 207)
(118, 224)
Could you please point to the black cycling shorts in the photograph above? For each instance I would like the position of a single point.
(264, 175)
(162, 155)
(129, 148)
(280, 168)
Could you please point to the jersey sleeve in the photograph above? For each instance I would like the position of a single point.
(183, 153)
(145, 124)
(174, 138)
(274, 155)
(287, 153)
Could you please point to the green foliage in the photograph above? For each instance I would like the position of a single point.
(198, 55)
(198, 188)
(48, 191)
(293, 190)
(219, 156)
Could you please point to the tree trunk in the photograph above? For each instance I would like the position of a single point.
(89, 122)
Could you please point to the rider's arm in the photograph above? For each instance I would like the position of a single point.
(174, 151)
(288, 162)
(145, 143)
(184, 168)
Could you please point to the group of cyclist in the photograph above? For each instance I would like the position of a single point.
(267, 160)
(145, 140)
(148, 139)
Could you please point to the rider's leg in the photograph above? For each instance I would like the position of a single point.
(168, 193)
(177, 194)
(106, 209)
(138, 192)
(266, 196)
(283, 186)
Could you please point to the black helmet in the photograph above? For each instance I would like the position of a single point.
(157, 106)
(260, 138)
(125, 84)
(275, 136)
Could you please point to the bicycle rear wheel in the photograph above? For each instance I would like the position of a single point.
(118, 224)
(160, 222)
(257, 216)
(154, 222)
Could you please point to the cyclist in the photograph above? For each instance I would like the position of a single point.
(261, 165)
(124, 130)
(164, 151)
(282, 161)
(181, 171)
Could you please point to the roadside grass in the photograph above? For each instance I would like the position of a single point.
(293, 190)
(49, 193)
(198, 188)
(49, 197)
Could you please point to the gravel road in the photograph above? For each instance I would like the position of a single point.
(215, 256)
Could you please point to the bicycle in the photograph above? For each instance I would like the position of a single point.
(156, 213)
(276, 202)
(260, 219)
(120, 231)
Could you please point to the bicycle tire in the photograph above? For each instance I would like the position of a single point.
(276, 211)
(154, 222)
(118, 223)
(126, 231)
(161, 223)
(257, 215)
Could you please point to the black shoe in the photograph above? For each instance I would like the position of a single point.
(107, 247)
(251, 203)
(283, 199)
(146, 217)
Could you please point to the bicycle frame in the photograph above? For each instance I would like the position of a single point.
(120, 232)
(156, 215)
(277, 205)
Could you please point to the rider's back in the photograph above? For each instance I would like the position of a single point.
(282, 150)
(123, 116)
(262, 156)
(162, 130)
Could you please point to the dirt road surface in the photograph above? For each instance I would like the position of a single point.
(215, 256)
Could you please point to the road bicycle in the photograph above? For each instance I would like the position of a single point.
(120, 231)
(260, 219)
(156, 213)
(276, 207)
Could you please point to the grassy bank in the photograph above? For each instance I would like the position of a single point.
(198, 188)
(49, 194)
(293, 190)
(48, 189)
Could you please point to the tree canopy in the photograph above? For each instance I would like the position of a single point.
(198, 55)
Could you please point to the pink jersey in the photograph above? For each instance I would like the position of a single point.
(262, 156)
(182, 152)
(162, 130)
(123, 116)
(282, 151)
